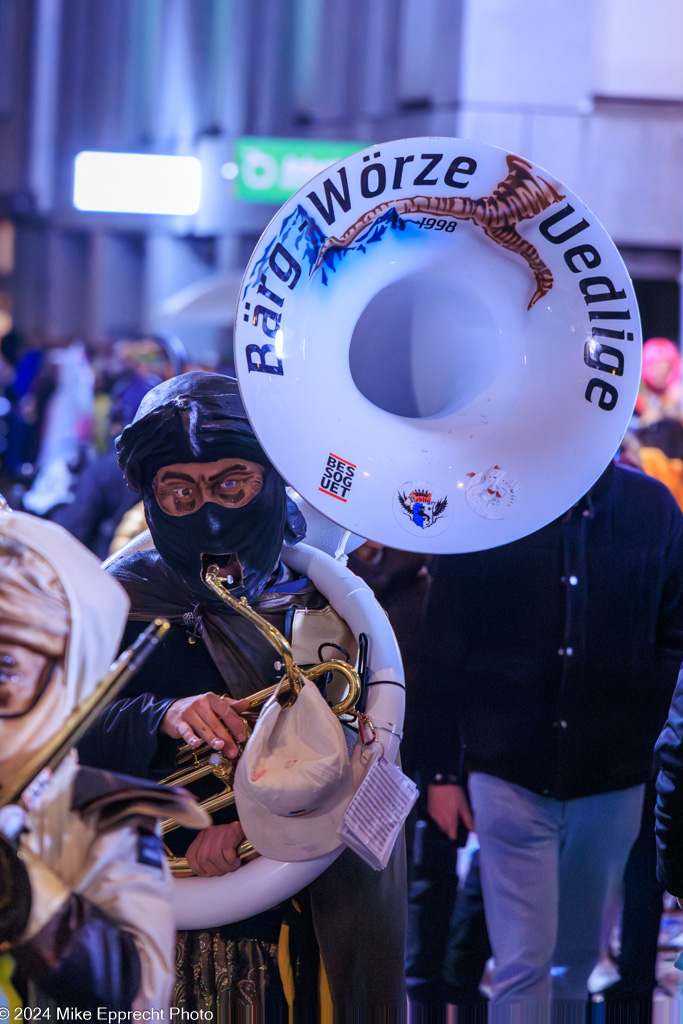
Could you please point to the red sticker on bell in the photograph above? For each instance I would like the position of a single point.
(491, 494)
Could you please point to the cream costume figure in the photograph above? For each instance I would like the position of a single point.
(84, 887)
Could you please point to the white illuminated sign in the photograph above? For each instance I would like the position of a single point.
(136, 183)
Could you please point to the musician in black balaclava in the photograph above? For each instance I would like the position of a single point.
(211, 496)
(199, 418)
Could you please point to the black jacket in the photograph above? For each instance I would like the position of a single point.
(126, 737)
(550, 662)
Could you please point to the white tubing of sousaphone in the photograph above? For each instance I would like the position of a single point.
(262, 883)
(438, 345)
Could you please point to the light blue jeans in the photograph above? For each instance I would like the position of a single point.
(548, 868)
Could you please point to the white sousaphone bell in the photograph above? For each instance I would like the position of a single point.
(439, 347)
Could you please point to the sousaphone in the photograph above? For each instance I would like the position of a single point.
(438, 346)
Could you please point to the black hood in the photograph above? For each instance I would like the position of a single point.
(199, 417)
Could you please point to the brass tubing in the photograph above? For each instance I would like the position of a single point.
(290, 684)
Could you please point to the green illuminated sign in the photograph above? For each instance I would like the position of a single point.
(271, 170)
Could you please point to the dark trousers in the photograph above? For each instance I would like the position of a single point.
(468, 946)
(447, 946)
(629, 1000)
(432, 887)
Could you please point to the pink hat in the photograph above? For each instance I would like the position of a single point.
(658, 350)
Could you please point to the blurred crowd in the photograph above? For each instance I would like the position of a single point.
(654, 442)
(62, 404)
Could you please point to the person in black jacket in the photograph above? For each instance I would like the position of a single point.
(550, 665)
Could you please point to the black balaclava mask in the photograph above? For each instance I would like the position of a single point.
(199, 417)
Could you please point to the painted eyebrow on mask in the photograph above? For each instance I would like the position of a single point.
(237, 468)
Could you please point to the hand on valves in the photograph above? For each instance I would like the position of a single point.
(207, 718)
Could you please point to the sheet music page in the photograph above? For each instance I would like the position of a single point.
(374, 817)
